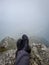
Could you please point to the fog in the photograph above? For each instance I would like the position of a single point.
(24, 16)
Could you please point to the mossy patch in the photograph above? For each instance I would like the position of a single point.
(2, 49)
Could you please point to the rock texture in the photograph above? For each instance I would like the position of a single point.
(8, 43)
(39, 53)
(7, 57)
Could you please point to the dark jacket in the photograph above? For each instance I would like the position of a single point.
(22, 58)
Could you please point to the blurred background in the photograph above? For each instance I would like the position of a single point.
(24, 16)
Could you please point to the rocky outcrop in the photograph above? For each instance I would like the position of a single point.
(39, 53)
(8, 43)
(7, 57)
(37, 56)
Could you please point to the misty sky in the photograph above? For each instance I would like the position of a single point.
(24, 16)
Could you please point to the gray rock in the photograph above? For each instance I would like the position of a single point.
(8, 57)
(39, 53)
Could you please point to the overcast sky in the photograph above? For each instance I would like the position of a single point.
(24, 16)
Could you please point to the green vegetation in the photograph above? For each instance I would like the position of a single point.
(2, 49)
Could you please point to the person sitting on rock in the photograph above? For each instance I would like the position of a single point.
(23, 51)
